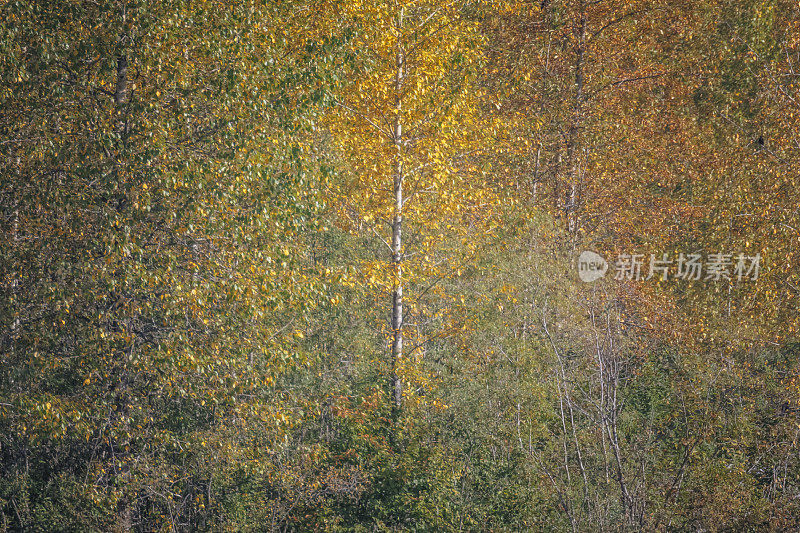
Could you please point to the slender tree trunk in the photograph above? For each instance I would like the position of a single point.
(397, 232)
(572, 200)
(121, 96)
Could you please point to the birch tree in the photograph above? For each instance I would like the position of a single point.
(407, 128)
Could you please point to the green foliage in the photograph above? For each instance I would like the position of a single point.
(156, 195)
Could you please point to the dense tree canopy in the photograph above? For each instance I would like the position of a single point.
(316, 265)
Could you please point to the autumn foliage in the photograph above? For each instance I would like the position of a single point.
(313, 265)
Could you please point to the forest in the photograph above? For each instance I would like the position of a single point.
(399, 265)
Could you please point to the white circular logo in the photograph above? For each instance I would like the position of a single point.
(591, 266)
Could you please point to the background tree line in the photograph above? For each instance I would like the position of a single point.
(310, 265)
